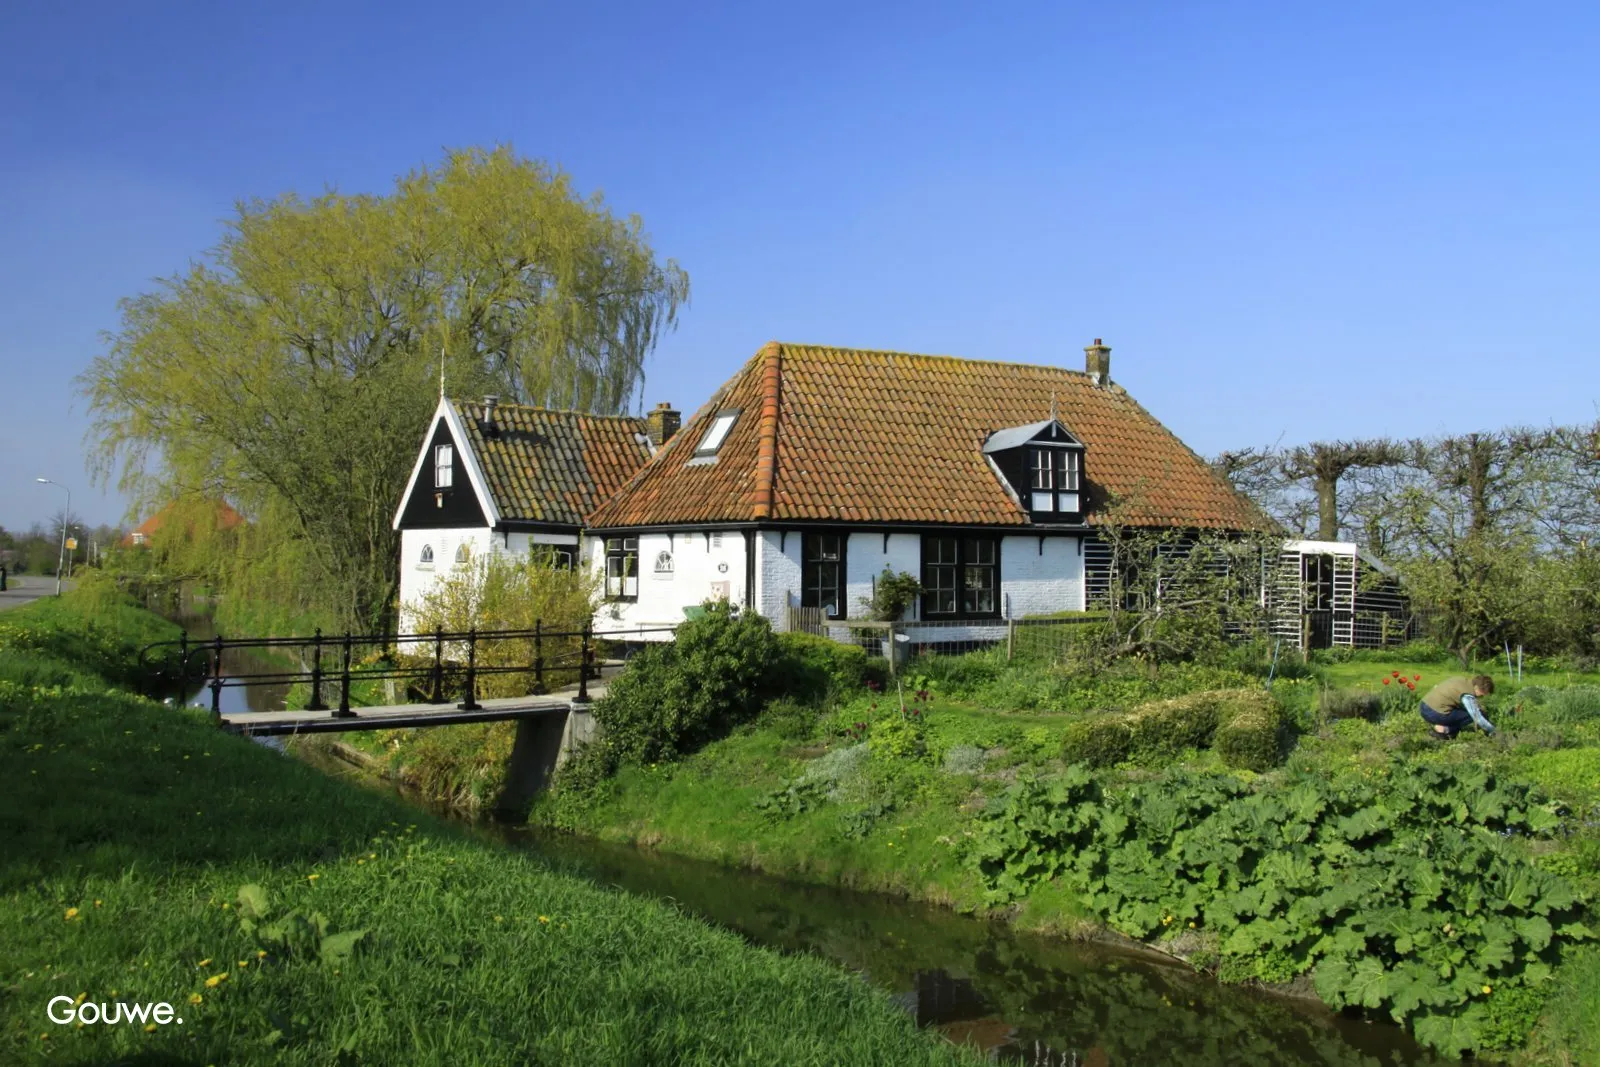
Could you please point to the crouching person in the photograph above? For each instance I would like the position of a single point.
(1453, 703)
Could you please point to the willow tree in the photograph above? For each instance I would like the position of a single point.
(292, 371)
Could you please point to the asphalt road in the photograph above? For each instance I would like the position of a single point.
(22, 588)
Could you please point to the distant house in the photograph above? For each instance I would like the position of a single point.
(814, 469)
(223, 517)
(494, 477)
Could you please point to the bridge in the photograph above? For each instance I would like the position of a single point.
(543, 679)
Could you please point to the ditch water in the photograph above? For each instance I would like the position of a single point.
(198, 624)
(1023, 999)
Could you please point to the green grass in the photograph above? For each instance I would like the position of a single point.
(127, 830)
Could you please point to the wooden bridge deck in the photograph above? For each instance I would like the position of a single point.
(399, 716)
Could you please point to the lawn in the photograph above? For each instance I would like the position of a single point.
(292, 918)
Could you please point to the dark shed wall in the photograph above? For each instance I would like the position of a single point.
(460, 506)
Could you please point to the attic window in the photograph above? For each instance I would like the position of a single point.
(717, 434)
(444, 460)
(1055, 476)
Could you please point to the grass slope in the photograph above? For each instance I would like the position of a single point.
(128, 829)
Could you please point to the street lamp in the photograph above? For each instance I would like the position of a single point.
(61, 556)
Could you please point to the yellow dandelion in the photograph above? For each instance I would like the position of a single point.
(544, 918)
(149, 1028)
(244, 963)
(195, 998)
(44, 1037)
(312, 877)
(81, 997)
(204, 962)
(261, 953)
(72, 913)
(1191, 926)
(497, 918)
(215, 980)
(98, 903)
(1488, 989)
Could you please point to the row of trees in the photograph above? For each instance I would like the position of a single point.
(38, 549)
(293, 372)
(1498, 531)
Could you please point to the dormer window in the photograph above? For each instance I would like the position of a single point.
(444, 460)
(1055, 475)
(716, 434)
(1042, 464)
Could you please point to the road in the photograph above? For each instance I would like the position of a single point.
(23, 588)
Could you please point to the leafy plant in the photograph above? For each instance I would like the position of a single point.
(1401, 898)
(295, 935)
(891, 595)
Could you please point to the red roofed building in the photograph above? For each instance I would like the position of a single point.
(226, 519)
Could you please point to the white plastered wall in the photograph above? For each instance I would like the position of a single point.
(417, 579)
(698, 566)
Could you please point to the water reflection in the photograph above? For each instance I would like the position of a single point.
(236, 663)
(1023, 999)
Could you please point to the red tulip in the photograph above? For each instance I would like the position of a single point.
(1416, 677)
(1386, 681)
(1394, 674)
(1411, 686)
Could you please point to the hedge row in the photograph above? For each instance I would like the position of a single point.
(1245, 726)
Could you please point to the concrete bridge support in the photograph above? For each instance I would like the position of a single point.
(543, 743)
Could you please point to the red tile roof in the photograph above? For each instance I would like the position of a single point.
(226, 519)
(888, 437)
(553, 466)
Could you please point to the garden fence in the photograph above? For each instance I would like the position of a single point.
(1039, 640)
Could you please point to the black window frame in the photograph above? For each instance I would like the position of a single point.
(624, 550)
(949, 563)
(812, 563)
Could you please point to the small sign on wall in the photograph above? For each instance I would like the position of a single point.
(721, 590)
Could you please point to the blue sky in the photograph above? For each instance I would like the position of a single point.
(1289, 221)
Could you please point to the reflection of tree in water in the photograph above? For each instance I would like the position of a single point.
(1040, 1001)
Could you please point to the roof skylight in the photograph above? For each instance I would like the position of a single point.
(717, 433)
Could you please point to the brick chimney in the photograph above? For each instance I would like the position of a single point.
(661, 423)
(1097, 361)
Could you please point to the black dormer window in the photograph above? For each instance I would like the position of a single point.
(1056, 476)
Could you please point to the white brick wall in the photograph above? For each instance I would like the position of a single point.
(777, 574)
(867, 556)
(1040, 583)
(704, 566)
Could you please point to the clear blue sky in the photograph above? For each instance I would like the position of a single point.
(1289, 220)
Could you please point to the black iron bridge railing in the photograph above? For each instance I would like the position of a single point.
(442, 662)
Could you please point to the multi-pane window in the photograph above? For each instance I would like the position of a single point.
(960, 577)
(1055, 477)
(622, 568)
(822, 574)
(444, 460)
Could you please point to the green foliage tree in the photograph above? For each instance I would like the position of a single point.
(293, 372)
(501, 592)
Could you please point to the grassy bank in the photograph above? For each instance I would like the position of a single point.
(291, 918)
(917, 801)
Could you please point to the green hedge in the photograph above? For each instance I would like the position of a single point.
(1244, 725)
(815, 669)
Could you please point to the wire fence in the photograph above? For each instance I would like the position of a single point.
(1050, 640)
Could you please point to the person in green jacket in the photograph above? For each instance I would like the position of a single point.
(1453, 703)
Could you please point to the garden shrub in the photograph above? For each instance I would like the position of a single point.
(1250, 735)
(896, 737)
(673, 698)
(817, 669)
(1165, 728)
(790, 719)
(1351, 704)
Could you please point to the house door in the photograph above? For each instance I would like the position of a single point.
(1317, 576)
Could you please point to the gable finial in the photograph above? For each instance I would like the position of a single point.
(441, 373)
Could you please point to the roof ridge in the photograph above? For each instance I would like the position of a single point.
(767, 443)
(550, 411)
(929, 355)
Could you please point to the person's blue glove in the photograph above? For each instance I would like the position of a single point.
(1470, 702)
